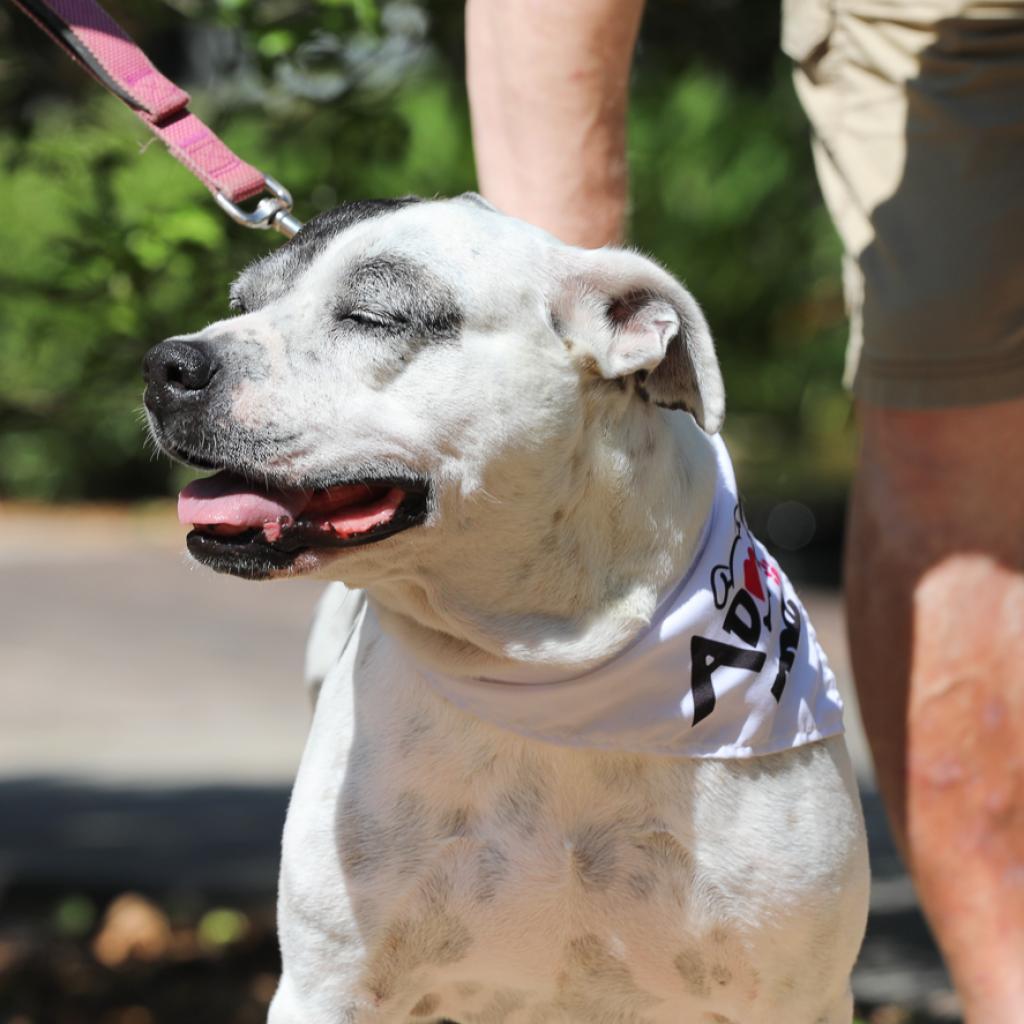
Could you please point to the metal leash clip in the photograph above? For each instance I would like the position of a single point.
(273, 211)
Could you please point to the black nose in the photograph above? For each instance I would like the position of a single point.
(177, 371)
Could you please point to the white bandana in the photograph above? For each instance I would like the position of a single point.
(729, 666)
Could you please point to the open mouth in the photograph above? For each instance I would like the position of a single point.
(252, 531)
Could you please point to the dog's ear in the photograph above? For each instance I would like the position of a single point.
(642, 322)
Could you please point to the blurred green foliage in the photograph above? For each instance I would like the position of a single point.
(110, 246)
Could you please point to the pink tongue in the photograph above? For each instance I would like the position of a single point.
(226, 499)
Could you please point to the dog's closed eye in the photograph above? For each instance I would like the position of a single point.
(371, 318)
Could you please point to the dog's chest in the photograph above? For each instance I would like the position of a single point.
(442, 857)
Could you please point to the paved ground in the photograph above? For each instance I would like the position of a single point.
(154, 717)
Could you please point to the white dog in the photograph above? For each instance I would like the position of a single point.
(577, 756)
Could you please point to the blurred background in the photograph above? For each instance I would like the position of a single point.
(154, 714)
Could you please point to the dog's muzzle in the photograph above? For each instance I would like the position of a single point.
(245, 519)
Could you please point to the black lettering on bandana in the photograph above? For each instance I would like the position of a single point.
(706, 656)
(789, 641)
(742, 619)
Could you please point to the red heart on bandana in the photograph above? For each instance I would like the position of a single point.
(751, 577)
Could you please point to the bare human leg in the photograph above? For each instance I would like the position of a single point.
(935, 598)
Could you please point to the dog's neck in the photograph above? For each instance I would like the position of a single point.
(565, 578)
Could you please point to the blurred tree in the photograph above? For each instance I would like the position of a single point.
(112, 246)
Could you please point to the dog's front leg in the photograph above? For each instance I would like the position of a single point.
(319, 987)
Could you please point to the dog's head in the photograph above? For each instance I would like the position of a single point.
(405, 368)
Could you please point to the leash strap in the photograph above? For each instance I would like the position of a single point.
(91, 37)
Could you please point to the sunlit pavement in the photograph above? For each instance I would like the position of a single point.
(154, 716)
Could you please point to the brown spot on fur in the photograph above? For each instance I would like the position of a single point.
(359, 843)
(693, 971)
(549, 543)
(597, 986)
(640, 885)
(495, 1011)
(594, 855)
(520, 806)
(524, 571)
(491, 868)
(415, 728)
(455, 822)
(619, 770)
(787, 985)
(721, 975)
(589, 955)
(667, 853)
(436, 938)
(427, 1006)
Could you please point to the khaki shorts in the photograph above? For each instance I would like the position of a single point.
(917, 111)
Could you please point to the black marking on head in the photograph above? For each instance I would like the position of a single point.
(478, 200)
(317, 233)
(272, 275)
(390, 296)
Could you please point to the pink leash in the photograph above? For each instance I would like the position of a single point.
(90, 36)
